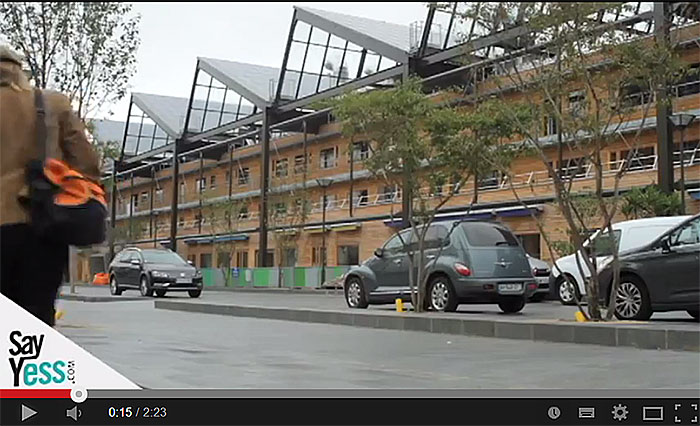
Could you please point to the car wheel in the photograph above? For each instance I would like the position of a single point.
(511, 305)
(114, 288)
(146, 290)
(194, 293)
(695, 314)
(537, 297)
(632, 300)
(160, 293)
(567, 291)
(355, 295)
(441, 295)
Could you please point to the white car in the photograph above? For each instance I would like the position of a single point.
(630, 234)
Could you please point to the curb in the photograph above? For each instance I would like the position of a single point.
(285, 290)
(580, 333)
(81, 298)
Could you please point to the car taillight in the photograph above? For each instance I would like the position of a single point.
(532, 286)
(462, 269)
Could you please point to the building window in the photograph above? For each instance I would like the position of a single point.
(160, 195)
(348, 255)
(144, 197)
(201, 185)
(316, 259)
(269, 258)
(641, 159)
(634, 94)
(289, 257)
(181, 221)
(242, 259)
(135, 200)
(550, 125)
(281, 168)
(205, 260)
(531, 244)
(243, 213)
(329, 157)
(577, 103)
(389, 193)
(574, 168)
(280, 209)
(299, 166)
(198, 220)
(244, 176)
(360, 151)
(212, 182)
(490, 180)
(223, 259)
(691, 153)
(690, 84)
(329, 200)
(360, 198)
(181, 194)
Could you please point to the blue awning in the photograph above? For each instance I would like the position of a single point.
(516, 211)
(219, 239)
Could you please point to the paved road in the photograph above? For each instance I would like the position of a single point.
(168, 349)
(332, 301)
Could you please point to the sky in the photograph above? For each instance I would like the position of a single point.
(173, 35)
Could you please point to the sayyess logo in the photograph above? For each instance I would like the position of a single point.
(25, 351)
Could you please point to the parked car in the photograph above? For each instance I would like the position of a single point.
(466, 262)
(663, 275)
(629, 234)
(153, 271)
(541, 271)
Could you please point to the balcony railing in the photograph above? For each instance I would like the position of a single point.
(541, 177)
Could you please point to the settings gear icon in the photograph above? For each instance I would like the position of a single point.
(620, 412)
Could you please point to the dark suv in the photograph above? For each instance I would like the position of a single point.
(466, 262)
(153, 271)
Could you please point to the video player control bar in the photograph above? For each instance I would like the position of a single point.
(351, 411)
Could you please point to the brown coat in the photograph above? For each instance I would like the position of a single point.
(66, 140)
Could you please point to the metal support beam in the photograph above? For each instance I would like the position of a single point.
(131, 207)
(264, 185)
(426, 30)
(365, 81)
(474, 45)
(126, 129)
(664, 131)
(201, 188)
(113, 211)
(150, 212)
(352, 172)
(173, 205)
(285, 60)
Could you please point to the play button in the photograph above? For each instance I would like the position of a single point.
(27, 413)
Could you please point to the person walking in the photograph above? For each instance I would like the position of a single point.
(31, 266)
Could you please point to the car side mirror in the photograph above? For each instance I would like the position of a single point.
(665, 246)
(135, 262)
(379, 252)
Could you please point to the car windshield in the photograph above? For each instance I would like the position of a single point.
(488, 235)
(162, 257)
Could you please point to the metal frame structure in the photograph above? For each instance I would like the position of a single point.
(328, 54)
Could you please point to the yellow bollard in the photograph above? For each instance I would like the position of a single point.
(580, 317)
(399, 305)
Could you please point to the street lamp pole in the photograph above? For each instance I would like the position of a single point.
(681, 121)
(324, 183)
